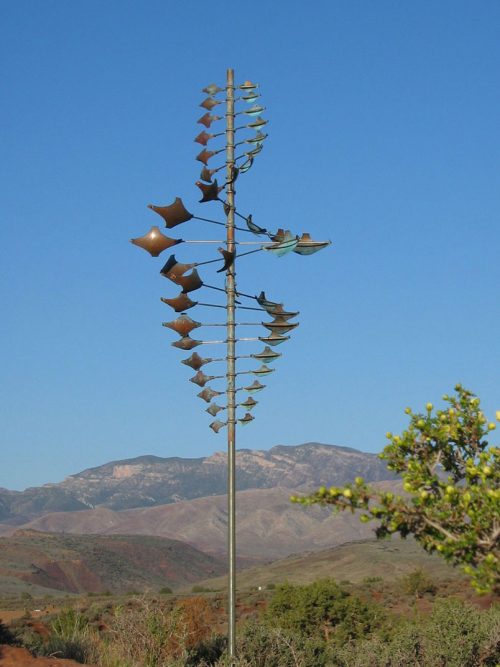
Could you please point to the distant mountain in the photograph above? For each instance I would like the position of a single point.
(45, 562)
(149, 481)
(268, 525)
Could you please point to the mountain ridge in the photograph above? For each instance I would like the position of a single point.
(148, 480)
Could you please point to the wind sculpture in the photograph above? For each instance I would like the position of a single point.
(251, 136)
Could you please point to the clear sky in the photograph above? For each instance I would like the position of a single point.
(383, 137)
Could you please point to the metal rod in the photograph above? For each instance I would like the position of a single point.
(231, 369)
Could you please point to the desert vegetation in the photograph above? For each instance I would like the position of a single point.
(412, 621)
(451, 478)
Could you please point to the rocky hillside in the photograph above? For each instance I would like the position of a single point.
(37, 562)
(149, 481)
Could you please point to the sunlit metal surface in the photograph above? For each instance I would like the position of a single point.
(212, 89)
(228, 259)
(203, 138)
(210, 192)
(267, 355)
(246, 165)
(213, 409)
(172, 268)
(306, 246)
(249, 403)
(246, 419)
(257, 139)
(250, 97)
(248, 85)
(263, 370)
(207, 394)
(254, 111)
(189, 283)
(217, 425)
(179, 303)
(174, 214)
(186, 343)
(274, 339)
(259, 122)
(201, 379)
(196, 362)
(209, 103)
(155, 242)
(280, 326)
(254, 387)
(283, 247)
(183, 325)
(205, 156)
(255, 229)
(207, 119)
(206, 174)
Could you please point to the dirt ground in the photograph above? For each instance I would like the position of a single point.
(11, 656)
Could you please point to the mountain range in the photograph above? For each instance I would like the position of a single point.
(149, 481)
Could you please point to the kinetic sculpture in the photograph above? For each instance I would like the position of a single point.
(251, 137)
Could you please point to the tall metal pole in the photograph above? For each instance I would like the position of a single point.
(231, 369)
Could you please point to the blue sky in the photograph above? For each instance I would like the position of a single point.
(383, 124)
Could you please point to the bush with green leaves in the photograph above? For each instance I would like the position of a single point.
(455, 634)
(451, 479)
(323, 610)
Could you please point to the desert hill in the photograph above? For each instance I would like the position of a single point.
(269, 526)
(45, 563)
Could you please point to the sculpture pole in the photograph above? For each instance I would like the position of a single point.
(231, 368)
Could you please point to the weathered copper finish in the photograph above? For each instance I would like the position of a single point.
(283, 247)
(205, 156)
(257, 139)
(263, 370)
(209, 192)
(228, 259)
(207, 394)
(255, 151)
(246, 419)
(306, 246)
(183, 325)
(267, 355)
(207, 119)
(248, 85)
(250, 97)
(255, 229)
(186, 343)
(246, 165)
(201, 379)
(174, 214)
(280, 326)
(254, 387)
(217, 425)
(203, 138)
(284, 314)
(249, 403)
(259, 122)
(173, 269)
(213, 409)
(254, 111)
(206, 174)
(212, 89)
(191, 282)
(274, 339)
(180, 303)
(195, 361)
(269, 306)
(209, 103)
(155, 242)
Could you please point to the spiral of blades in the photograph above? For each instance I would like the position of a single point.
(247, 132)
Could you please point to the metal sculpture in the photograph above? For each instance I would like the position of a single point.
(185, 275)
